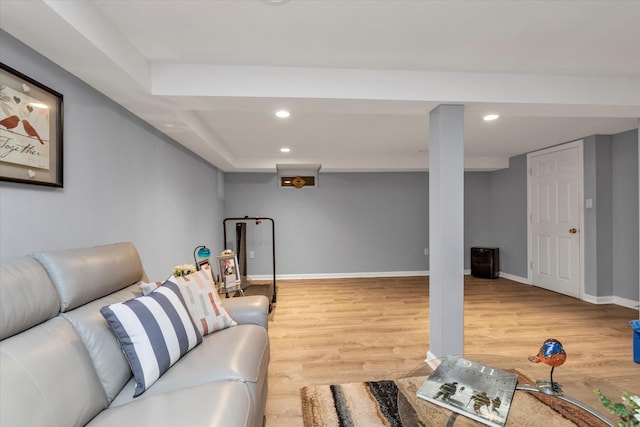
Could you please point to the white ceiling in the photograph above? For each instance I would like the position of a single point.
(359, 77)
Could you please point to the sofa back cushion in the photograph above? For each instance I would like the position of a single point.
(83, 275)
(109, 362)
(27, 296)
(47, 378)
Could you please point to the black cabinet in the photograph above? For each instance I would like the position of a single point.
(485, 262)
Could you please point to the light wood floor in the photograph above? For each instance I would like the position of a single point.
(353, 330)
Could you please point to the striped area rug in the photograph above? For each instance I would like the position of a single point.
(372, 403)
(375, 404)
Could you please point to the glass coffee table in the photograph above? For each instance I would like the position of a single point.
(576, 404)
(236, 290)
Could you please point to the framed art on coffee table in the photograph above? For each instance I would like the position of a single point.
(228, 269)
(206, 266)
(30, 130)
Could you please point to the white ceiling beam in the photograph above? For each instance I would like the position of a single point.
(79, 37)
(334, 83)
(211, 148)
(363, 164)
(85, 18)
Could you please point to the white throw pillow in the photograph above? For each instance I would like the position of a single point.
(203, 302)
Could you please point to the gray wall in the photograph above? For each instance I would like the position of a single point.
(598, 221)
(611, 225)
(624, 158)
(351, 223)
(477, 213)
(123, 181)
(509, 215)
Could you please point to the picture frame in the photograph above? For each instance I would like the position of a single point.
(31, 121)
(228, 267)
(205, 265)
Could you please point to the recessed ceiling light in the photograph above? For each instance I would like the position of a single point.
(283, 114)
(490, 117)
(285, 150)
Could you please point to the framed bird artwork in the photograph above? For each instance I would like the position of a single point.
(30, 130)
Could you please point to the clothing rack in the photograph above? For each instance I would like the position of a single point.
(273, 243)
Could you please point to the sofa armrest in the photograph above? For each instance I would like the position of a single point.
(253, 309)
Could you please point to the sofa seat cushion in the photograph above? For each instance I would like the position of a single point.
(46, 378)
(238, 354)
(224, 404)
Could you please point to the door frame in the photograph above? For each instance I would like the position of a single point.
(579, 144)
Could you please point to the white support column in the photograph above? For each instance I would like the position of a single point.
(446, 231)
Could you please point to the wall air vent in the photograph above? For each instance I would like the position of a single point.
(297, 181)
(298, 175)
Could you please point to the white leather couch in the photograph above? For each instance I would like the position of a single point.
(61, 365)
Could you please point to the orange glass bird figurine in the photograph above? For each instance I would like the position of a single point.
(551, 353)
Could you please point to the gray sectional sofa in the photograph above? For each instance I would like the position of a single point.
(61, 365)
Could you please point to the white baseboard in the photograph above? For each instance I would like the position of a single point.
(523, 280)
(430, 356)
(432, 360)
(624, 302)
(629, 303)
(506, 276)
(360, 275)
(597, 300)
(610, 299)
(421, 273)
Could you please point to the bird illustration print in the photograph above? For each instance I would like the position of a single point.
(10, 122)
(31, 131)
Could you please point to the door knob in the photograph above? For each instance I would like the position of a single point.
(573, 230)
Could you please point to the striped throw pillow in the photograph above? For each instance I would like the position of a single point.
(147, 288)
(202, 300)
(154, 331)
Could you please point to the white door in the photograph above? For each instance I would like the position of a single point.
(555, 214)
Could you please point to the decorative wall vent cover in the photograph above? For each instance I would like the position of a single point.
(297, 181)
(298, 175)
